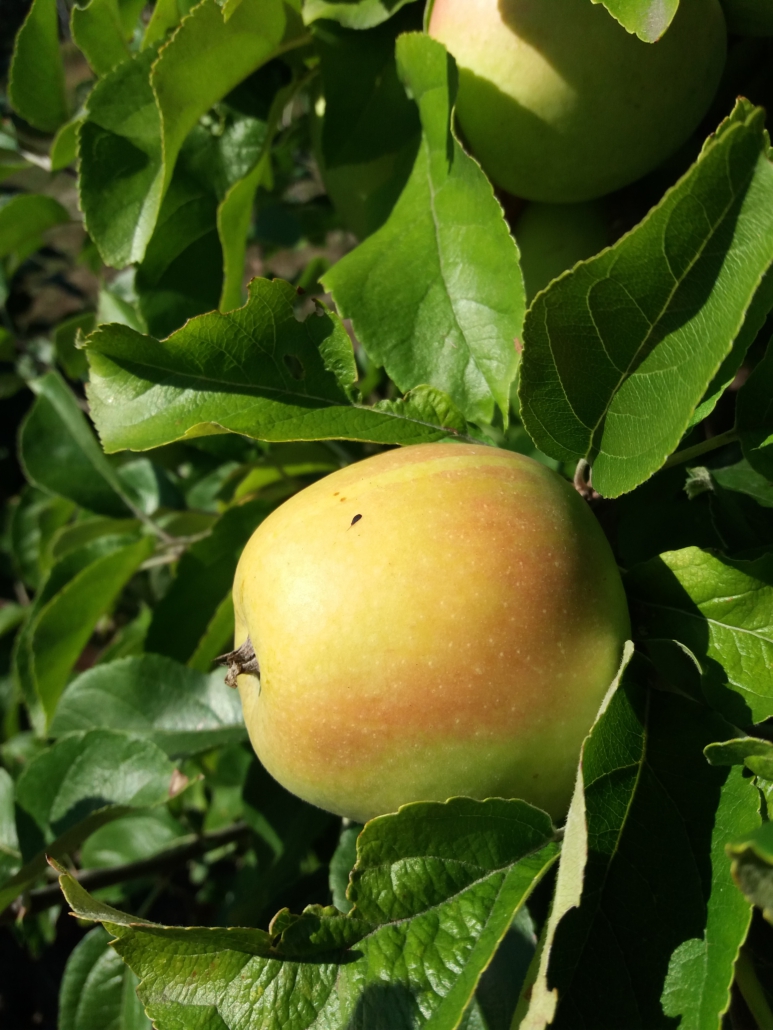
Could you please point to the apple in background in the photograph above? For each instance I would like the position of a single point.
(554, 237)
(749, 17)
(434, 621)
(559, 103)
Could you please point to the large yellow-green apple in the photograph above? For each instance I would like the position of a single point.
(559, 103)
(434, 621)
(554, 237)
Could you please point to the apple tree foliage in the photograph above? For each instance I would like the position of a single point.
(242, 245)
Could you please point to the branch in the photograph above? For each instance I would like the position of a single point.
(712, 444)
(93, 879)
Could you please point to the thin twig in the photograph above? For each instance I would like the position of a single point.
(712, 444)
(93, 879)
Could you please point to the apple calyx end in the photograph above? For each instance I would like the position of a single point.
(241, 660)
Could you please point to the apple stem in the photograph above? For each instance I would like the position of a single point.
(243, 659)
(582, 481)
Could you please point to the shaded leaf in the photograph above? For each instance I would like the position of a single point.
(141, 114)
(755, 320)
(61, 454)
(256, 371)
(98, 31)
(754, 416)
(79, 589)
(742, 478)
(36, 81)
(10, 855)
(82, 782)
(131, 839)
(234, 212)
(341, 865)
(204, 579)
(619, 352)
(71, 359)
(447, 251)
(34, 521)
(752, 859)
(722, 610)
(23, 218)
(651, 811)
(98, 991)
(119, 153)
(181, 711)
(368, 136)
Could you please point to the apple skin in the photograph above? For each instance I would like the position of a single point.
(749, 17)
(559, 103)
(456, 639)
(554, 237)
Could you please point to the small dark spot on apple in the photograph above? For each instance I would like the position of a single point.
(336, 493)
(343, 498)
(355, 519)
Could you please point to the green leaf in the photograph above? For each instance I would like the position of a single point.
(23, 218)
(754, 416)
(742, 478)
(448, 898)
(120, 162)
(82, 782)
(285, 830)
(182, 711)
(368, 135)
(98, 31)
(166, 16)
(341, 865)
(98, 991)
(352, 14)
(34, 521)
(10, 855)
(64, 615)
(209, 55)
(220, 165)
(204, 578)
(131, 839)
(722, 610)
(753, 867)
(754, 753)
(85, 772)
(36, 82)
(755, 320)
(64, 148)
(61, 454)
(141, 113)
(620, 351)
(281, 379)
(646, 895)
(649, 19)
(71, 359)
(445, 249)
(234, 212)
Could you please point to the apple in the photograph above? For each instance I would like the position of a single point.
(749, 17)
(560, 103)
(554, 237)
(434, 621)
